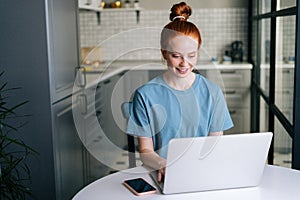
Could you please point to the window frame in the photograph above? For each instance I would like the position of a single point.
(293, 129)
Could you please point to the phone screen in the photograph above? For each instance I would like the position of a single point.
(139, 186)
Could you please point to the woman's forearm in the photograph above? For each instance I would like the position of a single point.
(152, 159)
(148, 156)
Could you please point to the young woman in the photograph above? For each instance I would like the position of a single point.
(178, 103)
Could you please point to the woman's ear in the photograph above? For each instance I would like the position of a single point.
(164, 53)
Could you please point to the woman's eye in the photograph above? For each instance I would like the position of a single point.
(192, 55)
(176, 56)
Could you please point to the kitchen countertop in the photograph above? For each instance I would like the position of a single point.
(159, 65)
(94, 75)
(279, 66)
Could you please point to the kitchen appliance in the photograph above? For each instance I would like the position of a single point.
(237, 51)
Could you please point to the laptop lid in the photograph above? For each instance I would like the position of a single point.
(215, 162)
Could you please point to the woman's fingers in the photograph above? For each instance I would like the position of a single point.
(161, 175)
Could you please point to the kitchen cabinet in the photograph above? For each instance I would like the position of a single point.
(110, 104)
(40, 55)
(63, 46)
(104, 100)
(68, 151)
(235, 84)
(134, 79)
(101, 126)
(63, 53)
(85, 117)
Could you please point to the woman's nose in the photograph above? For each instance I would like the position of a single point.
(184, 61)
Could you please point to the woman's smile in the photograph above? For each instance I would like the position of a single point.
(181, 56)
(182, 70)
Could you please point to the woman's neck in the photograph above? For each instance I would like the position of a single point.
(179, 83)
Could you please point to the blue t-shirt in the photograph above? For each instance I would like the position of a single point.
(163, 113)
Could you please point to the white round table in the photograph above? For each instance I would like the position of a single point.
(277, 183)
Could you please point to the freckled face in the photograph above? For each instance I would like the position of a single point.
(181, 55)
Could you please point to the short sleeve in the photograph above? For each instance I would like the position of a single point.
(138, 123)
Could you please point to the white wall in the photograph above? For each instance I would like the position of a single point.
(167, 4)
(219, 27)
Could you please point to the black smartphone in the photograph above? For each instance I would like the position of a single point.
(139, 186)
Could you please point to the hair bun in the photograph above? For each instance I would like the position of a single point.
(180, 12)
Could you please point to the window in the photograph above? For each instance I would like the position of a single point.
(282, 146)
(275, 48)
(265, 55)
(285, 64)
(281, 4)
(265, 6)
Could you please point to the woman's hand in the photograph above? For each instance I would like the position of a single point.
(161, 171)
(161, 174)
(150, 158)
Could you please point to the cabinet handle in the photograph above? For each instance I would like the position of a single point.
(230, 92)
(285, 92)
(107, 81)
(228, 71)
(232, 112)
(80, 76)
(122, 74)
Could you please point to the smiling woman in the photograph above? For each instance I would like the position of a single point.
(181, 58)
(189, 104)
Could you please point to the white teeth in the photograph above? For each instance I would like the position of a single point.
(182, 70)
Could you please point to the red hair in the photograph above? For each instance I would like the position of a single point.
(179, 25)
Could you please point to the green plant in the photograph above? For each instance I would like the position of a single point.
(14, 172)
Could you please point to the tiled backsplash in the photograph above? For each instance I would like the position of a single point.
(219, 27)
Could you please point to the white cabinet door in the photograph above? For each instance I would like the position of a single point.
(235, 84)
(108, 109)
(132, 80)
(241, 120)
(68, 152)
(230, 78)
(62, 33)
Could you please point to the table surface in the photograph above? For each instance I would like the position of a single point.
(277, 183)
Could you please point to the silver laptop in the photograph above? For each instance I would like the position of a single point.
(215, 162)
